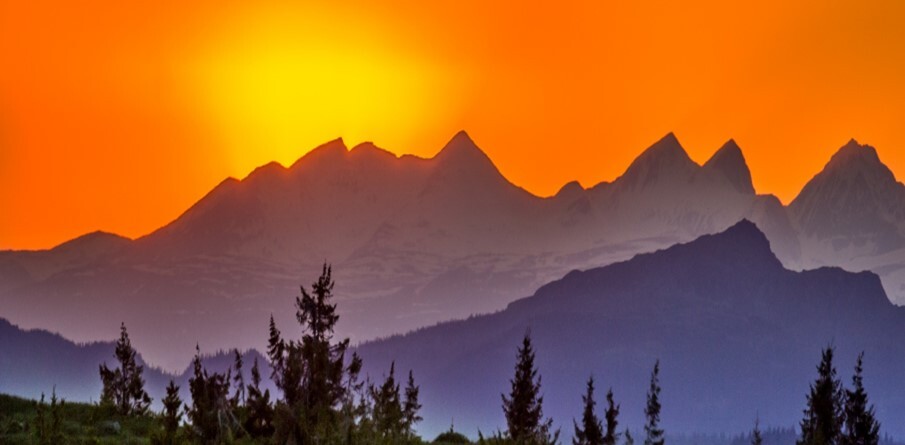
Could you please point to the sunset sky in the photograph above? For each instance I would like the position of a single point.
(118, 115)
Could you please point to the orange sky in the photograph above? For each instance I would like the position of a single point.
(119, 115)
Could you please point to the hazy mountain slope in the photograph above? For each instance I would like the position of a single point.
(737, 334)
(36, 361)
(852, 214)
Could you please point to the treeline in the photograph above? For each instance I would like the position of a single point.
(324, 400)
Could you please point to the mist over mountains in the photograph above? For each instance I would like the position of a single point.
(418, 241)
(737, 335)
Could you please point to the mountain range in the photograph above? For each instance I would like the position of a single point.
(738, 337)
(417, 241)
(737, 334)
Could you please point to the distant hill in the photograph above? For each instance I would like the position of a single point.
(33, 362)
(738, 336)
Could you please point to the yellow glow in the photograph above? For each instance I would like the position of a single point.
(279, 90)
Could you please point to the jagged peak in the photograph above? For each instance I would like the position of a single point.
(329, 150)
(461, 144)
(743, 241)
(666, 157)
(461, 152)
(730, 162)
(854, 154)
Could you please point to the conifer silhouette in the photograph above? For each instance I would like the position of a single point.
(653, 432)
(524, 405)
(861, 426)
(590, 432)
(824, 416)
(124, 387)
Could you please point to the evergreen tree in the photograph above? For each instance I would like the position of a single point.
(56, 422)
(170, 417)
(211, 415)
(653, 432)
(411, 407)
(756, 437)
(591, 430)
(523, 406)
(387, 411)
(259, 422)
(824, 415)
(124, 387)
(611, 414)
(41, 434)
(861, 426)
(238, 380)
(629, 440)
(310, 371)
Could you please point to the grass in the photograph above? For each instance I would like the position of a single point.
(80, 423)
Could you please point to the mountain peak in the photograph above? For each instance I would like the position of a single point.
(741, 243)
(730, 162)
(664, 160)
(327, 151)
(858, 156)
(461, 152)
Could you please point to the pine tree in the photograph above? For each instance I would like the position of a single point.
(41, 434)
(211, 415)
(171, 415)
(653, 432)
(591, 430)
(56, 421)
(523, 406)
(824, 415)
(259, 422)
(861, 426)
(756, 437)
(238, 380)
(310, 371)
(411, 407)
(124, 387)
(611, 414)
(387, 412)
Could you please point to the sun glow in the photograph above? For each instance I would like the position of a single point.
(283, 87)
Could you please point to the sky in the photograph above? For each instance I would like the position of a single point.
(118, 116)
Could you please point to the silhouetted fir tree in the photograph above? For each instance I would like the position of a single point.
(861, 426)
(591, 430)
(310, 371)
(410, 407)
(170, 417)
(523, 406)
(354, 405)
(387, 411)
(612, 423)
(238, 380)
(41, 434)
(653, 432)
(124, 387)
(756, 437)
(211, 415)
(275, 351)
(55, 435)
(259, 421)
(824, 415)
